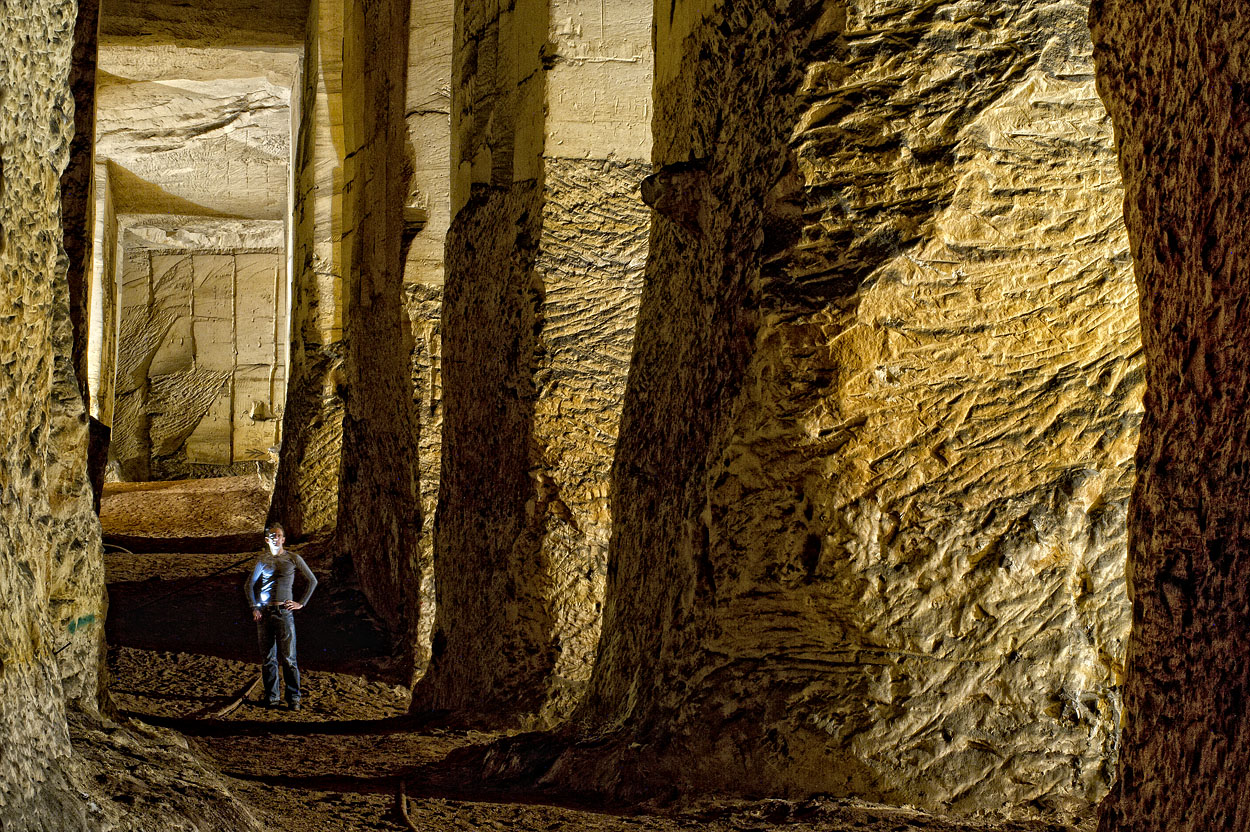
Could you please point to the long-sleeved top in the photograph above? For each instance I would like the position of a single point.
(276, 574)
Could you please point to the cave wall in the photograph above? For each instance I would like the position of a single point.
(1175, 79)
(550, 107)
(877, 442)
(51, 571)
(200, 379)
(305, 497)
(379, 510)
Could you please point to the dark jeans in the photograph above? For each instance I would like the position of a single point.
(276, 634)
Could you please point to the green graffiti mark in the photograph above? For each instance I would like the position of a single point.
(82, 621)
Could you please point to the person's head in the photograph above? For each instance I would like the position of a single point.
(275, 536)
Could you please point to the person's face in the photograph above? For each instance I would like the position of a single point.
(274, 540)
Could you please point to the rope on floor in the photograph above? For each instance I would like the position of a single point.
(401, 804)
(228, 708)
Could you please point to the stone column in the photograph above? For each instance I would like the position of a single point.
(1177, 82)
(427, 217)
(51, 568)
(306, 491)
(550, 106)
(379, 513)
(877, 441)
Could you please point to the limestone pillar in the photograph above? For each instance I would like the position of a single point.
(427, 217)
(550, 113)
(1175, 79)
(877, 443)
(379, 511)
(305, 495)
(51, 569)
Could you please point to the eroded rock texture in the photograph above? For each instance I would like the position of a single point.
(44, 414)
(1175, 79)
(58, 759)
(201, 374)
(877, 441)
(544, 260)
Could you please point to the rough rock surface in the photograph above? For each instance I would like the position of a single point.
(44, 416)
(196, 131)
(305, 497)
(544, 264)
(54, 758)
(379, 506)
(200, 378)
(877, 441)
(1175, 79)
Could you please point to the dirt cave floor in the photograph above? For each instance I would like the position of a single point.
(182, 646)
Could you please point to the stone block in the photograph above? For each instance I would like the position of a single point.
(254, 423)
(213, 311)
(256, 298)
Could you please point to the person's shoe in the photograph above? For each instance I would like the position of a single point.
(295, 706)
(275, 703)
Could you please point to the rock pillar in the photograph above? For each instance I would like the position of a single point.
(550, 113)
(306, 491)
(379, 511)
(51, 569)
(877, 441)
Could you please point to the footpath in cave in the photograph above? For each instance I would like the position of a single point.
(182, 649)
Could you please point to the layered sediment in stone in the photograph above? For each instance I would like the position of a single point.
(544, 260)
(877, 441)
(1175, 80)
(200, 377)
(379, 508)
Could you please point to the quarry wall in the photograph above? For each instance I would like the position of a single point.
(877, 442)
(200, 378)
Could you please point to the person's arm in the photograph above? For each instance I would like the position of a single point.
(249, 590)
(308, 576)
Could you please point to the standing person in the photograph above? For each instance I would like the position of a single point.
(273, 611)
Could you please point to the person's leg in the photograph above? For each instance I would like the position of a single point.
(267, 638)
(286, 651)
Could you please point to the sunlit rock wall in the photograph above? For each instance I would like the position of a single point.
(1175, 80)
(379, 509)
(200, 377)
(550, 114)
(870, 490)
(305, 497)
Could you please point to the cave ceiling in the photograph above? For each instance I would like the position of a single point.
(193, 130)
